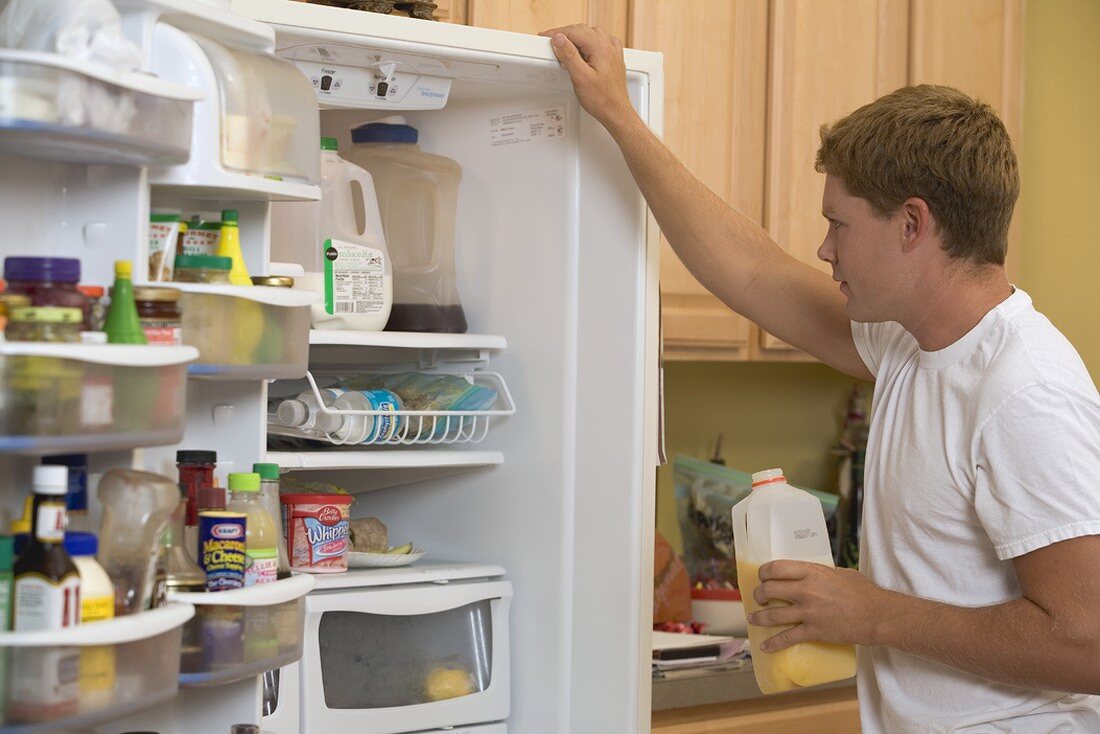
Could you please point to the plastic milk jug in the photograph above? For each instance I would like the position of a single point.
(777, 521)
(340, 245)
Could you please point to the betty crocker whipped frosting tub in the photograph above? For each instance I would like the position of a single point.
(316, 529)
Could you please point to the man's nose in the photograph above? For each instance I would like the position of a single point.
(826, 251)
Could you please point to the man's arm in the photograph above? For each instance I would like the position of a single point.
(727, 252)
(1049, 638)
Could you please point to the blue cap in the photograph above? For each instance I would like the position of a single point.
(54, 269)
(81, 544)
(384, 132)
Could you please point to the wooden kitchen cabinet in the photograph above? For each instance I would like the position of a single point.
(451, 11)
(715, 87)
(532, 16)
(834, 711)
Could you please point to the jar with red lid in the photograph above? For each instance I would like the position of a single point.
(96, 308)
(159, 312)
(48, 281)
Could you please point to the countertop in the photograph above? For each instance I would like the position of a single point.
(700, 687)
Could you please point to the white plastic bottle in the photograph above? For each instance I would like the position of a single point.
(304, 412)
(349, 266)
(368, 428)
(777, 521)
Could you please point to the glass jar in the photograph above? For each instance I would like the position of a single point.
(273, 281)
(48, 281)
(96, 308)
(202, 269)
(159, 313)
(10, 302)
(44, 324)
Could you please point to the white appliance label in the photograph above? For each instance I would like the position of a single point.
(354, 278)
(527, 127)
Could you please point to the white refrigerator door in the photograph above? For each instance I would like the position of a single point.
(556, 252)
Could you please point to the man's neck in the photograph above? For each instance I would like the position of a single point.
(961, 298)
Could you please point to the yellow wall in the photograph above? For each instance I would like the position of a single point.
(1060, 260)
(789, 414)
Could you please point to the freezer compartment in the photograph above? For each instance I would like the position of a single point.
(64, 398)
(242, 633)
(59, 109)
(77, 677)
(246, 332)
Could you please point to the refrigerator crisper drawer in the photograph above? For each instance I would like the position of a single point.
(406, 658)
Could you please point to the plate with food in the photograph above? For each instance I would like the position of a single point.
(400, 556)
(370, 546)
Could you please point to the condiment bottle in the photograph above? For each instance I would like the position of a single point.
(269, 498)
(202, 269)
(46, 581)
(97, 312)
(159, 313)
(196, 470)
(122, 325)
(6, 557)
(97, 603)
(76, 501)
(230, 246)
(261, 539)
(48, 281)
(44, 324)
(181, 572)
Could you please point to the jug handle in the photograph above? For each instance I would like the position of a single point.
(372, 218)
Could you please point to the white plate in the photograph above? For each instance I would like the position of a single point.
(383, 560)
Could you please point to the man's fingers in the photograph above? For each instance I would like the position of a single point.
(785, 639)
(569, 56)
(786, 570)
(775, 616)
(776, 591)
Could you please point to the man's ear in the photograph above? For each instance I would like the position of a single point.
(917, 223)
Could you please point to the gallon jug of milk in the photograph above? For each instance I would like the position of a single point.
(777, 521)
(345, 260)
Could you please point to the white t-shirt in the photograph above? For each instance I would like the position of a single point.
(979, 452)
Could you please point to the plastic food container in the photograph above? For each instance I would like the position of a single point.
(316, 529)
(76, 677)
(721, 610)
(242, 633)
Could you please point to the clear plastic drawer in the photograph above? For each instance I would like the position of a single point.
(242, 633)
(76, 677)
(61, 398)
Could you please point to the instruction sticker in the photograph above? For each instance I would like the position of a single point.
(527, 127)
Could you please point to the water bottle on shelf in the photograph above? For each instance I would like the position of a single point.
(368, 428)
(304, 412)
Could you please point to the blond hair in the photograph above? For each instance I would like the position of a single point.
(937, 144)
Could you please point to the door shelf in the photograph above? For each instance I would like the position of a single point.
(96, 672)
(66, 398)
(246, 332)
(393, 459)
(242, 633)
(405, 340)
(55, 108)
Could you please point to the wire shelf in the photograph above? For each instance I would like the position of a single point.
(414, 427)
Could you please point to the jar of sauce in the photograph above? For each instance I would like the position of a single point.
(44, 324)
(48, 281)
(159, 313)
(97, 309)
(196, 470)
(202, 269)
(10, 302)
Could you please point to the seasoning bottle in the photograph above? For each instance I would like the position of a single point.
(196, 470)
(202, 269)
(44, 324)
(76, 501)
(122, 324)
(97, 311)
(97, 604)
(230, 246)
(46, 581)
(261, 542)
(269, 498)
(48, 281)
(7, 544)
(159, 313)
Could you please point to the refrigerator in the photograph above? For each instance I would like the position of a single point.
(557, 259)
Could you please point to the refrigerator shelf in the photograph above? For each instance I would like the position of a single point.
(246, 332)
(421, 427)
(212, 19)
(125, 665)
(66, 398)
(56, 108)
(395, 459)
(405, 340)
(242, 633)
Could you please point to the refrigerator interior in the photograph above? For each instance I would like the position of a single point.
(554, 253)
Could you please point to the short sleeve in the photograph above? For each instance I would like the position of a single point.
(1038, 470)
(874, 339)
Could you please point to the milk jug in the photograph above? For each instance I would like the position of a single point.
(778, 521)
(418, 199)
(347, 264)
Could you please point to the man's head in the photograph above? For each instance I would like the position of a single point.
(930, 163)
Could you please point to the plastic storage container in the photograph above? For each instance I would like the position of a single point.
(778, 521)
(72, 110)
(418, 201)
(349, 265)
(243, 632)
(61, 398)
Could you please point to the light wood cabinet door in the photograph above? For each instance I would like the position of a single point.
(451, 11)
(532, 16)
(976, 46)
(827, 58)
(715, 86)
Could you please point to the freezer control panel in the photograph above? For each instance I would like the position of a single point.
(384, 86)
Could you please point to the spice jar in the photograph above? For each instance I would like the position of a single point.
(196, 470)
(273, 281)
(96, 309)
(10, 302)
(159, 313)
(202, 269)
(44, 324)
(49, 281)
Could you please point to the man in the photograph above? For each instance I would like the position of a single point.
(977, 605)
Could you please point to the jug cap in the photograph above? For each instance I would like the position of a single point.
(388, 130)
(768, 476)
(244, 482)
(328, 143)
